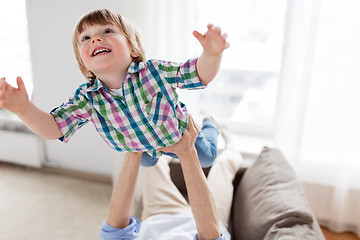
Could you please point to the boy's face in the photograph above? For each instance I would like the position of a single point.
(104, 48)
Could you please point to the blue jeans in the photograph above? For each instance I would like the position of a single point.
(205, 144)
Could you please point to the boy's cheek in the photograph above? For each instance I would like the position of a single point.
(83, 53)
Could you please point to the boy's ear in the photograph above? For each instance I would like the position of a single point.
(133, 54)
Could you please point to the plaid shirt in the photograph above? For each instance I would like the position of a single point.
(145, 114)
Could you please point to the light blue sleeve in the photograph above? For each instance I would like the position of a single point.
(222, 237)
(108, 232)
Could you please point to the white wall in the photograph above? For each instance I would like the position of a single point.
(56, 76)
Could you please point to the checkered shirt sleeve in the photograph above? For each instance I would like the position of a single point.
(181, 75)
(72, 115)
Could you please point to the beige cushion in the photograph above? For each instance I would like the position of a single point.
(269, 194)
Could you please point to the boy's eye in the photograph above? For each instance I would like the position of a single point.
(83, 39)
(108, 30)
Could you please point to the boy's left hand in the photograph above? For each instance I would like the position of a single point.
(213, 41)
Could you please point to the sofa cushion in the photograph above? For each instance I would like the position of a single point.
(269, 194)
(298, 231)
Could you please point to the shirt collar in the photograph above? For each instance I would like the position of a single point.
(135, 67)
(96, 84)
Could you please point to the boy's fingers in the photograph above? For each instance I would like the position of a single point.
(217, 30)
(4, 83)
(213, 28)
(227, 45)
(20, 83)
(198, 36)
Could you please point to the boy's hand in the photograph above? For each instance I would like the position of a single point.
(13, 99)
(213, 41)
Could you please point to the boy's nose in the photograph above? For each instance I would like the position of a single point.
(96, 39)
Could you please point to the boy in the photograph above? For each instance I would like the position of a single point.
(132, 103)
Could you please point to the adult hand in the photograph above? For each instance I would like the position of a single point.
(187, 142)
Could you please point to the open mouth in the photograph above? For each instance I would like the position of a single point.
(100, 51)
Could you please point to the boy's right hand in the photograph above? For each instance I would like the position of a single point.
(13, 99)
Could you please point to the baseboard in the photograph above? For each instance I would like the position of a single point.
(61, 171)
(77, 174)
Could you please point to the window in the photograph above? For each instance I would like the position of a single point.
(245, 92)
(15, 50)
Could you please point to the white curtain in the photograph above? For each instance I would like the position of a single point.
(166, 27)
(319, 115)
(15, 50)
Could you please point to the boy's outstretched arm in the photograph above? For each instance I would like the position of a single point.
(16, 100)
(214, 43)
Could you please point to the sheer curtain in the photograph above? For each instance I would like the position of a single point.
(14, 47)
(166, 27)
(319, 115)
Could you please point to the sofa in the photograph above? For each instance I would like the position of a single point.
(269, 201)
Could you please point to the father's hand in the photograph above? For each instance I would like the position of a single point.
(187, 142)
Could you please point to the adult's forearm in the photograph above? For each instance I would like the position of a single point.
(201, 200)
(123, 194)
(40, 122)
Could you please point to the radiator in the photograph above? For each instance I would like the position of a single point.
(18, 145)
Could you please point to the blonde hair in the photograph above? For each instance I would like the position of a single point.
(103, 17)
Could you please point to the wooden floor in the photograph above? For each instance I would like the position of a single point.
(338, 236)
